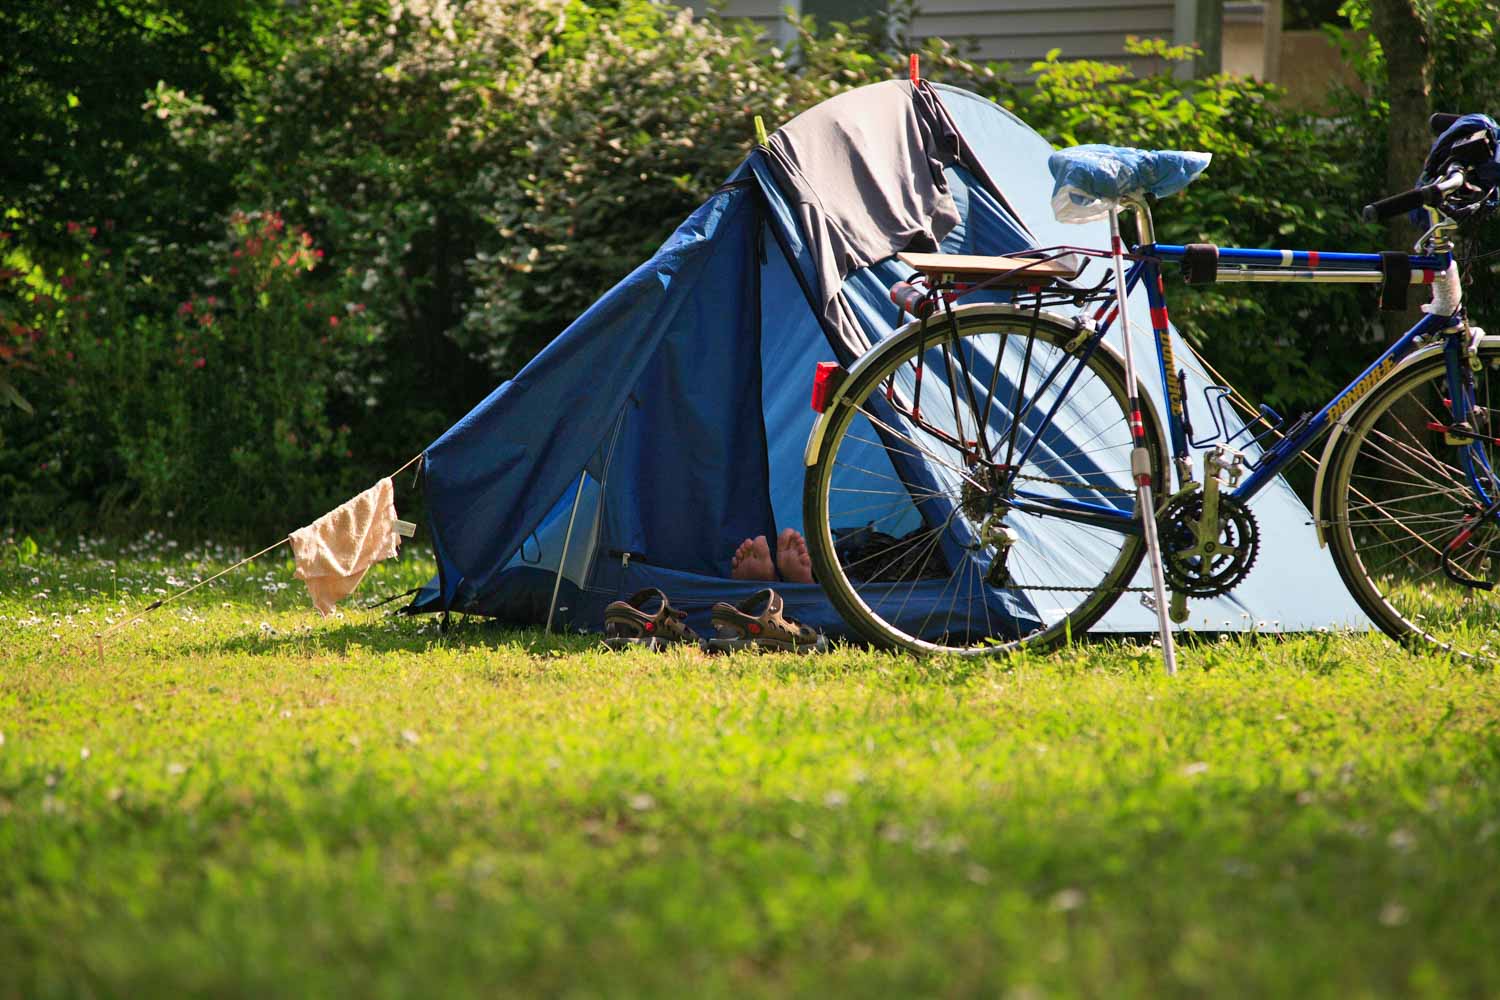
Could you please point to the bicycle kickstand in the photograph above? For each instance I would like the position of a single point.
(1140, 457)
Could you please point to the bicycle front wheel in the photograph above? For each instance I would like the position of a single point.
(937, 522)
(1404, 502)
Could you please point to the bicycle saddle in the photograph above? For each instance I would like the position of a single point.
(1088, 180)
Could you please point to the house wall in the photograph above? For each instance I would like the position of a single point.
(768, 15)
(1019, 32)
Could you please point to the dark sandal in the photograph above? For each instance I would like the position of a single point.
(632, 623)
(757, 623)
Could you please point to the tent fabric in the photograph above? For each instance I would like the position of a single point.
(668, 422)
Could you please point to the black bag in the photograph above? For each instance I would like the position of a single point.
(874, 556)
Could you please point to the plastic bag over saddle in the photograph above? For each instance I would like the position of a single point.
(1090, 180)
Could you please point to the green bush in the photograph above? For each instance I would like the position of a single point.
(218, 411)
(479, 173)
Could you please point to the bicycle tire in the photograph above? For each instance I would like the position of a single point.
(1396, 498)
(1100, 563)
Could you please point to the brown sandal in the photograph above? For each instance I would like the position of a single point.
(757, 623)
(631, 623)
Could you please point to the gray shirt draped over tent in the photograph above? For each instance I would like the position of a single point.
(863, 173)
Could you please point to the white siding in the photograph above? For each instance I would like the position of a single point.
(768, 15)
(1021, 32)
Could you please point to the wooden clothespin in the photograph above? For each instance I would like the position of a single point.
(760, 131)
(916, 72)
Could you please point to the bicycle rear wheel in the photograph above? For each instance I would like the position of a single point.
(1401, 497)
(934, 519)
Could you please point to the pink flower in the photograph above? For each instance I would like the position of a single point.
(73, 227)
(186, 309)
(333, 321)
(212, 300)
(318, 253)
(199, 363)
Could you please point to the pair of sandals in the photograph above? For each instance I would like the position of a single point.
(648, 619)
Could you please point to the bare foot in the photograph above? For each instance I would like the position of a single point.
(792, 558)
(752, 560)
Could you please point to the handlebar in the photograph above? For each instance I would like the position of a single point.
(1427, 194)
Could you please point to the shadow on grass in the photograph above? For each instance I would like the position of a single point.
(398, 634)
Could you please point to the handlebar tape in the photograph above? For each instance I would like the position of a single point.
(1400, 204)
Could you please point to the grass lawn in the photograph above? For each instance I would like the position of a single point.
(243, 798)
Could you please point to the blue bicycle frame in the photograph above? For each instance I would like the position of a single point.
(1241, 264)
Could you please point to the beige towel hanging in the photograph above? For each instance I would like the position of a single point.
(334, 552)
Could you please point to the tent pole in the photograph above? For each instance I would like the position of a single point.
(562, 562)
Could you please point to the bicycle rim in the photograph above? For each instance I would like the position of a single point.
(912, 527)
(1400, 497)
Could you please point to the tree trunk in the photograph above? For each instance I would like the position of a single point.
(1398, 26)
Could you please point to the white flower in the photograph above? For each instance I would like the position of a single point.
(1067, 900)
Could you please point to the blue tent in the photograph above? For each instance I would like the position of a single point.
(668, 422)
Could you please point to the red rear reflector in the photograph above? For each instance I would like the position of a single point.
(826, 381)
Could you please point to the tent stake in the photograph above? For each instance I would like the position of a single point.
(562, 561)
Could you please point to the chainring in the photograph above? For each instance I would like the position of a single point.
(1217, 572)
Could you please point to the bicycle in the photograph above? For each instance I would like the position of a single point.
(954, 462)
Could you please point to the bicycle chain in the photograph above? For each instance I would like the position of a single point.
(1082, 590)
(1076, 484)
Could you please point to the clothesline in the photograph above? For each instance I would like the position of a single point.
(154, 605)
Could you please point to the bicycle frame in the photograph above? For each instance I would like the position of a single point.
(1235, 264)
